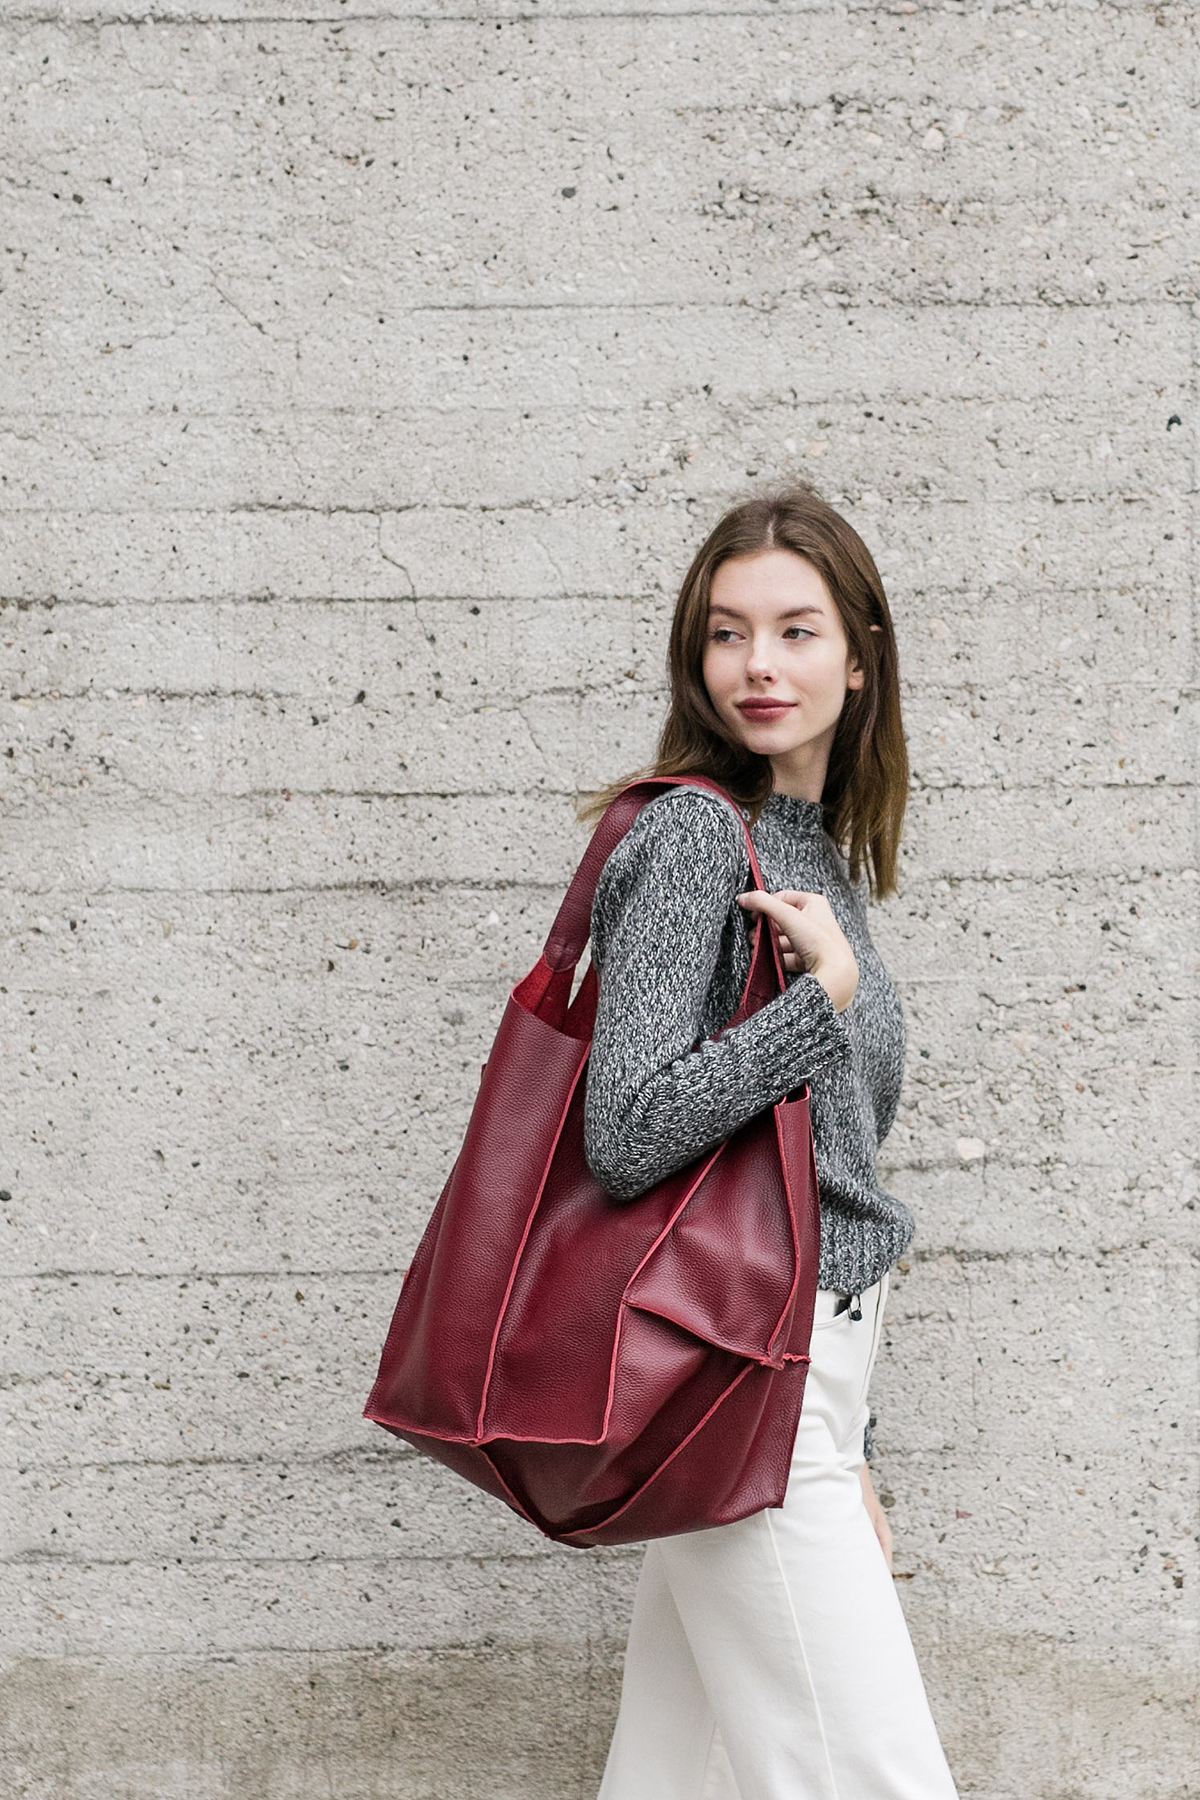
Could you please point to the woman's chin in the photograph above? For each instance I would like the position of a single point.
(768, 740)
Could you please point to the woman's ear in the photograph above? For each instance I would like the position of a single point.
(858, 669)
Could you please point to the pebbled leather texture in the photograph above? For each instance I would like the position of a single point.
(614, 1371)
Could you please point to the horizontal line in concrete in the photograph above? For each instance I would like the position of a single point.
(99, 894)
(933, 1253)
(358, 1454)
(650, 687)
(1100, 497)
(205, 1277)
(208, 1658)
(914, 590)
(565, 14)
(590, 502)
(40, 1558)
(569, 597)
(730, 411)
(914, 883)
(1183, 303)
(1050, 789)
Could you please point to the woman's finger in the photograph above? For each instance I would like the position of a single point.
(770, 904)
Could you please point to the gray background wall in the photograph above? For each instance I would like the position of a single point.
(369, 376)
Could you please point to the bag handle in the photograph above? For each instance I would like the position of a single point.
(573, 921)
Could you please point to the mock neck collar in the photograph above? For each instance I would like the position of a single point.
(793, 812)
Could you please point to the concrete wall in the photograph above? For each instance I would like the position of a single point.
(369, 375)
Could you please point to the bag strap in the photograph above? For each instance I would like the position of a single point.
(573, 921)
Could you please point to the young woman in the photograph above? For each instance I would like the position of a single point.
(769, 1659)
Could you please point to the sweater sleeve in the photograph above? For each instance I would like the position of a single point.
(657, 1098)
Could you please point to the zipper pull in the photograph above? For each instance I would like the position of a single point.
(856, 1306)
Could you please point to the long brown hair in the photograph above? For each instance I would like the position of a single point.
(866, 783)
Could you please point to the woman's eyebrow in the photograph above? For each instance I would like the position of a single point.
(794, 612)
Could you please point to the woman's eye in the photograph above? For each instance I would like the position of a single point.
(726, 634)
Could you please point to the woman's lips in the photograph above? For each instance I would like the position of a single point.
(764, 709)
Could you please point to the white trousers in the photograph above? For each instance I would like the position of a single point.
(770, 1659)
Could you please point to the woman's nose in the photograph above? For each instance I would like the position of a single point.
(761, 662)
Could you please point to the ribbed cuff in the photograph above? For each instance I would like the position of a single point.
(856, 1249)
(794, 1036)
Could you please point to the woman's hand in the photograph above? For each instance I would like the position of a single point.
(883, 1530)
(811, 939)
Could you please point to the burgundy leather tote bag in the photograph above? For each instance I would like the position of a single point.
(613, 1370)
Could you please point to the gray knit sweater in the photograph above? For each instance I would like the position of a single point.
(671, 948)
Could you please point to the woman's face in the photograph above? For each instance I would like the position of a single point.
(777, 662)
